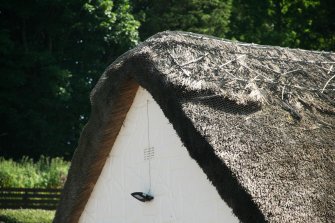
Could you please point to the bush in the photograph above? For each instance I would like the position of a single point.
(26, 216)
(45, 173)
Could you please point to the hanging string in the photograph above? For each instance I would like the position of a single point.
(148, 124)
(149, 148)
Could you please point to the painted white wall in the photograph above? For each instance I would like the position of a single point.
(182, 192)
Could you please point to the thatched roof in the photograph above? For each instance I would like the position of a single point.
(259, 121)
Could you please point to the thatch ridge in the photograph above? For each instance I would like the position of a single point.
(259, 121)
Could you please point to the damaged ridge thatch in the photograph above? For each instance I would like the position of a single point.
(259, 121)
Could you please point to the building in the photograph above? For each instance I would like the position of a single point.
(213, 130)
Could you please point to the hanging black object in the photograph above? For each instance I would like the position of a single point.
(142, 196)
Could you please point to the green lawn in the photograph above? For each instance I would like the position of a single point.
(26, 216)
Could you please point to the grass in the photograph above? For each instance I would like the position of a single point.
(26, 216)
(45, 173)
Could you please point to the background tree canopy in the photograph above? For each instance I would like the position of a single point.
(307, 24)
(51, 55)
(200, 16)
(52, 52)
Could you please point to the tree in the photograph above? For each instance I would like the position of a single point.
(306, 24)
(200, 16)
(323, 27)
(51, 55)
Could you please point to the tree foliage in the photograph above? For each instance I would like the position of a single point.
(51, 54)
(307, 24)
(200, 16)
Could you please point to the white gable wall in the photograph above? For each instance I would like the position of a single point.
(182, 192)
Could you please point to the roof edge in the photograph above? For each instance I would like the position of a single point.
(96, 139)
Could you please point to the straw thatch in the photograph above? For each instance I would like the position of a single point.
(259, 120)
